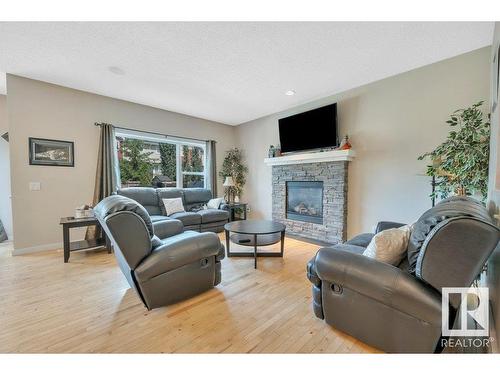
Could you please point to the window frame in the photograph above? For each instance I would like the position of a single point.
(178, 142)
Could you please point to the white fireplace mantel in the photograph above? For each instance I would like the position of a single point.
(312, 157)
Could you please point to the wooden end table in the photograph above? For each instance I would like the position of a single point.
(69, 246)
(233, 207)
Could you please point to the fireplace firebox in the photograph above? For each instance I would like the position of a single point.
(304, 201)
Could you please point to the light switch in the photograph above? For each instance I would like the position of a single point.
(35, 186)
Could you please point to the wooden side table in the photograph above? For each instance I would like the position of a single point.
(232, 207)
(70, 222)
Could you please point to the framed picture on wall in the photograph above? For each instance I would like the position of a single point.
(51, 152)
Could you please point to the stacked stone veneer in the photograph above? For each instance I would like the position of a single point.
(334, 177)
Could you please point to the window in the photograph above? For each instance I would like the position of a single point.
(193, 166)
(159, 161)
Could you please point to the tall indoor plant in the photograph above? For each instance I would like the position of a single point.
(233, 166)
(460, 163)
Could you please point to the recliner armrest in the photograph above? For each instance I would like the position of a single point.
(380, 281)
(383, 225)
(178, 251)
(168, 228)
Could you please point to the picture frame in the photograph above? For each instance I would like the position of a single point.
(51, 152)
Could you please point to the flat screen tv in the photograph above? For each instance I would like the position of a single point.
(309, 130)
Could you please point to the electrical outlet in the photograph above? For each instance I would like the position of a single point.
(35, 186)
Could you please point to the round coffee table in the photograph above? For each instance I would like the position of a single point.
(254, 233)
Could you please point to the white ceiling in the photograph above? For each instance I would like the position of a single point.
(228, 72)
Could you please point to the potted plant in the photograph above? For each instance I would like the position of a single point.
(233, 166)
(460, 163)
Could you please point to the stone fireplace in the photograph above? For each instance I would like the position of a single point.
(310, 198)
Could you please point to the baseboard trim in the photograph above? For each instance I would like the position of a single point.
(37, 249)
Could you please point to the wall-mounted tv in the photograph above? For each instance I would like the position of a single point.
(309, 130)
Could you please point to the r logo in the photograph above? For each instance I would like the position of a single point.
(474, 312)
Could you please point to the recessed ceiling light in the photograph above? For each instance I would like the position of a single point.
(116, 70)
(290, 92)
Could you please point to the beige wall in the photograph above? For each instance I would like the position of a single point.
(390, 123)
(38, 109)
(5, 207)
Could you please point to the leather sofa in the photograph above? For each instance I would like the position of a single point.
(160, 260)
(195, 218)
(398, 309)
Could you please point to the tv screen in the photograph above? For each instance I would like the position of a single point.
(309, 130)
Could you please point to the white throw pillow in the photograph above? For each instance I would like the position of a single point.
(389, 246)
(215, 203)
(173, 205)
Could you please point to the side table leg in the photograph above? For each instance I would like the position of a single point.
(66, 243)
(255, 251)
(282, 242)
(228, 253)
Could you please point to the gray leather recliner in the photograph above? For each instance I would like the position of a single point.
(398, 309)
(160, 260)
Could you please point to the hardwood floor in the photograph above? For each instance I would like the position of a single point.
(86, 306)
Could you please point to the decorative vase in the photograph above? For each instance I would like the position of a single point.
(236, 199)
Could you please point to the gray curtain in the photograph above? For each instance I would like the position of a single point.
(3, 233)
(211, 168)
(107, 174)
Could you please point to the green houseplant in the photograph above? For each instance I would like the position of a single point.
(234, 167)
(460, 163)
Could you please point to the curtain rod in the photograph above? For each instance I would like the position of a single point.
(148, 132)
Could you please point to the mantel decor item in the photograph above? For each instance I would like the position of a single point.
(460, 164)
(345, 144)
(51, 152)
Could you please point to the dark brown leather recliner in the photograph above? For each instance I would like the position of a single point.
(398, 309)
(160, 260)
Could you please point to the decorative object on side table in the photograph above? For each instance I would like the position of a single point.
(84, 211)
(460, 164)
(69, 246)
(255, 233)
(51, 152)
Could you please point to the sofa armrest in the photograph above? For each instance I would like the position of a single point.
(167, 228)
(380, 281)
(383, 225)
(178, 251)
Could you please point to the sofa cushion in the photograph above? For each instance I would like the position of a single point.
(147, 197)
(156, 218)
(210, 215)
(173, 205)
(389, 246)
(187, 218)
(194, 197)
(362, 239)
(167, 193)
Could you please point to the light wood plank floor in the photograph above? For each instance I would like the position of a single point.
(86, 306)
